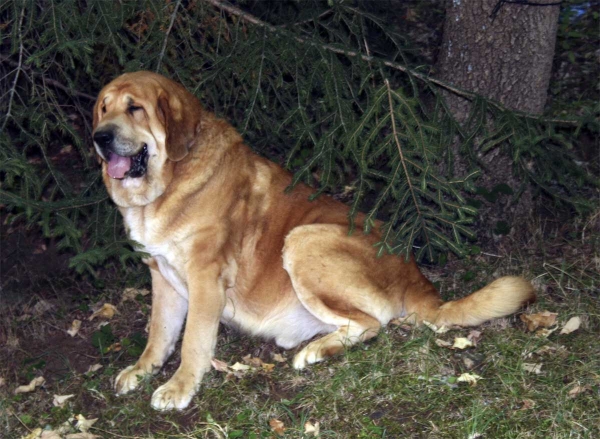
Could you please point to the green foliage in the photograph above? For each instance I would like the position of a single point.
(311, 89)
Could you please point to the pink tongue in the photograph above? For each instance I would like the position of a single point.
(118, 166)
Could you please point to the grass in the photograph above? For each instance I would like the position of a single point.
(401, 385)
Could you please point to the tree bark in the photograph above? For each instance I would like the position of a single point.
(508, 59)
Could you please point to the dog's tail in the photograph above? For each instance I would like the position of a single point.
(502, 297)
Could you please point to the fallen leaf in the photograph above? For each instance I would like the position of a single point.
(533, 367)
(83, 424)
(60, 400)
(279, 358)
(469, 378)
(93, 368)
(443, 343)
(474, 336)
(107, 311)
(34, 434)
(41, 307)
(50, 434)
(572, 325)
(469, 364)
(132, 293)
(544, 319)
(2, 381)
(115, 347)
(219, 365)
(528, 404)
(252, 361)
(545, 332)
(277, 426)
(577, 390)
(75, 326)
(436, 329)
(461, 343)
(550, 350)
(268, 367)
(23, 317)
(239, 366)
(83, 435)
(310, 428)
(36, 382)
(474, 436)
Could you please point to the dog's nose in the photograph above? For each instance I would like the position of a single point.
(103, 138)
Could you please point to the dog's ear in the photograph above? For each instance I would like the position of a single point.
(180, 113)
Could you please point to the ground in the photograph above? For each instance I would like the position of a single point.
(403, 384)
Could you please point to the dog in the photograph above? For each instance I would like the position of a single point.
(227, 243)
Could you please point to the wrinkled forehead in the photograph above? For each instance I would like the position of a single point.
(127, 93)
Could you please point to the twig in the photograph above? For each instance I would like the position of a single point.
(53, 82)
(354, 54)
(17, 73)
(164, 46)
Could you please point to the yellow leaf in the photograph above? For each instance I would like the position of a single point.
(34, 434)
(60, 400)
(544, 319)
(252, 361)
(279, 358)
(83, 424)
(577, 390)
(533, 367)
(107, 311)
(545, 332)
(50, 434)
(83, 435)
(75, 326)
(238, 366)
(572, 325)
(470, 378)
(461, 343)
(219, 365)
(310, 428)
(436, 329)
(443, 343)
(268, 367)
(277, 426)
(36, 382)
(132, 293)
(528, 404)
(93, 368)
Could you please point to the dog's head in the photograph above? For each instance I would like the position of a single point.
(143, 124)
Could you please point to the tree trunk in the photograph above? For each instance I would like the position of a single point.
(508, 59)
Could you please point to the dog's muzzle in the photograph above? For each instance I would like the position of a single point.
(120, 166)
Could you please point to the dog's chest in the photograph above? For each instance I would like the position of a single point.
(150, 233)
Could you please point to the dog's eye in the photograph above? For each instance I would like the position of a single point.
(132, 109)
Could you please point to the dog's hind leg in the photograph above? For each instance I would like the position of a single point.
(331, 275)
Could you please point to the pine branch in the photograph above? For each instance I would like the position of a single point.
(164, 46)
(401, 156)
(46, 80)
(369, 58)
(18, 71)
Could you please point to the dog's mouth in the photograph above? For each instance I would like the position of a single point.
(120, 167)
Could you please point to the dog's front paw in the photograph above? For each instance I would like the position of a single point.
(309, 355)
(174, 394)
(128, 379)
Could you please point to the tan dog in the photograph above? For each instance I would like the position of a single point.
(227, 244)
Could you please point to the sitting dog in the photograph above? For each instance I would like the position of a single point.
(227, 244)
